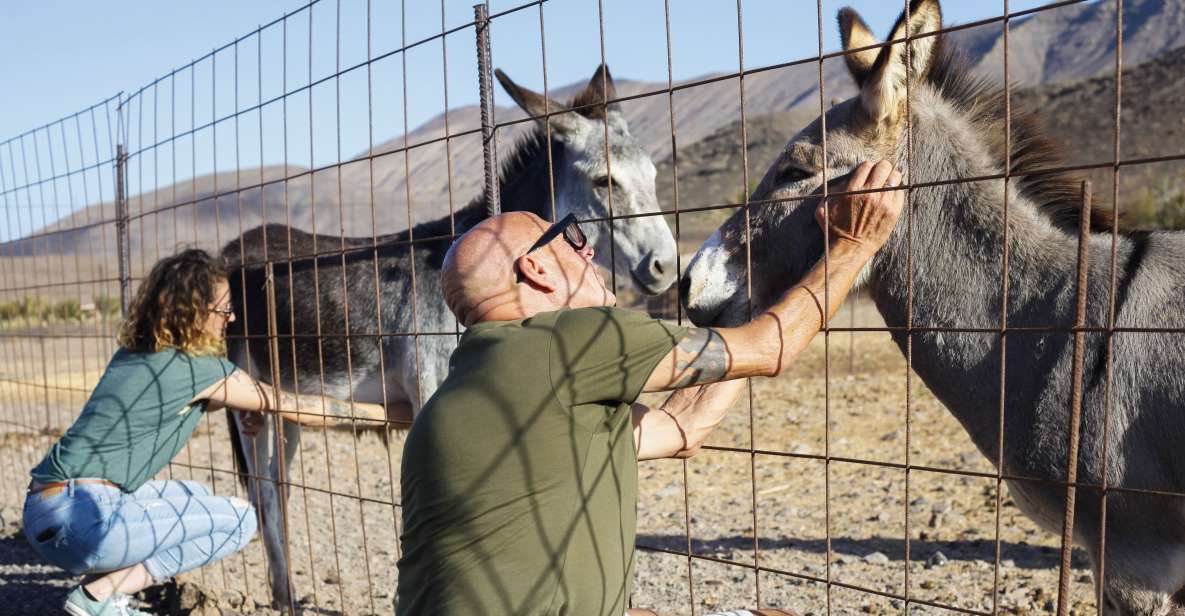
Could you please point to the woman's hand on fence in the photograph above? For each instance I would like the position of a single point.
(865, 221)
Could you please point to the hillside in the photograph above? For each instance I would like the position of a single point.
(1078, 114)
(1081, 115)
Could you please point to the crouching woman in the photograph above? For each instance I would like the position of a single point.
(92, 507)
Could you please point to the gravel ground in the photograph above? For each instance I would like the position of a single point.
(345, 487)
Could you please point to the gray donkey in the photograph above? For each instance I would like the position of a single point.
(369, 352)
(958, 238)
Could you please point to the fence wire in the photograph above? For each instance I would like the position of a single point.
(232, 140)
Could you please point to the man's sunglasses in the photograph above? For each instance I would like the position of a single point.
(568, 226)
(572, 232)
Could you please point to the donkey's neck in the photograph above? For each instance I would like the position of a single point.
(525, 182)
(524, 185)
(956, 250)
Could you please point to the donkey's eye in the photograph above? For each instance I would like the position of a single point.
(604, 181)
(790, 174)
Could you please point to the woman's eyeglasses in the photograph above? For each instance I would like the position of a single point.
(227, 312)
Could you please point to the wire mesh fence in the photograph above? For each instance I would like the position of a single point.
(833, 489)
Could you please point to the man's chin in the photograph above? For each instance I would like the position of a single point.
(604, 298)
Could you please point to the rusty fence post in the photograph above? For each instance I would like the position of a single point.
(481, 22)
(1063, 587)
(281, 478)
(122, 243)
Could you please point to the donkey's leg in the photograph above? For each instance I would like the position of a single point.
(434, 353)
(276, 540)
(263, 490)
(1140, 576)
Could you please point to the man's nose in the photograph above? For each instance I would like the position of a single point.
(587, 252)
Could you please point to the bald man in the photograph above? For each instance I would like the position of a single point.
(519, 480)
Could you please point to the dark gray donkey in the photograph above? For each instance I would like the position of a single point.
(958, 240)
(367, 352)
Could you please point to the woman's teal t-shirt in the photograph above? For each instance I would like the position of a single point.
(136, 420)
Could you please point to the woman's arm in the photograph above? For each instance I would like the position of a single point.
(241, 392)
(680, 426)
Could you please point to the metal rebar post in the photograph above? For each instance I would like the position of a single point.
(281, 478)
(481, 21)
(1063, 586)
(122, 243)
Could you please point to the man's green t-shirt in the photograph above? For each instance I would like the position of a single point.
(136, 420)
(519, 482)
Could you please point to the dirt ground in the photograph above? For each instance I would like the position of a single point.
(843, 519)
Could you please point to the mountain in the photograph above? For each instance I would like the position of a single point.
(1079, 115)
(1069, 42)
(1078, 40)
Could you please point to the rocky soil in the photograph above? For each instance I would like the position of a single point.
(864, 526)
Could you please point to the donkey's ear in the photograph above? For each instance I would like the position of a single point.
(855, 34)
(590, 102)
(600, 87)
(538, 106)
(925, 18)
(884, 89)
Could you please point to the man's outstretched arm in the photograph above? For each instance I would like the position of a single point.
(769, 343)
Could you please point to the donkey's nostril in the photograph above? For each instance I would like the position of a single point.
(657, 265)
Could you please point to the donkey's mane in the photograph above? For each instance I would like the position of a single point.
(525, 152)
(1057, 193)
(526, 148)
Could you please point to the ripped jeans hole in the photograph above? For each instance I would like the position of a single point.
(47, 534)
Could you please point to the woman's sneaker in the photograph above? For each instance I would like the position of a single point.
(78, 604)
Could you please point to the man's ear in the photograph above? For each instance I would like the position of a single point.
(536, 272)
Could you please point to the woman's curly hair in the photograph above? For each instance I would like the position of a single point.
(172, 304)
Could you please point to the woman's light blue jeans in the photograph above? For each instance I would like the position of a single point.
(170, 526)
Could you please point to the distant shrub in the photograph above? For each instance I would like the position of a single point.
(30, 308)
(1161, 207)
(9, 311)
(66, 310)
(107, 306)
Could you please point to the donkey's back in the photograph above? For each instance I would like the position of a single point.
(344, 323)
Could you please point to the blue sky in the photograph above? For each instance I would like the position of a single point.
(63, 56)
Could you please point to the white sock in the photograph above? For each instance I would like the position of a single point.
(736, 613)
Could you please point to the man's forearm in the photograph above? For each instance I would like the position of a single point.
(771, 341)
(779, 334)
(859, 226)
